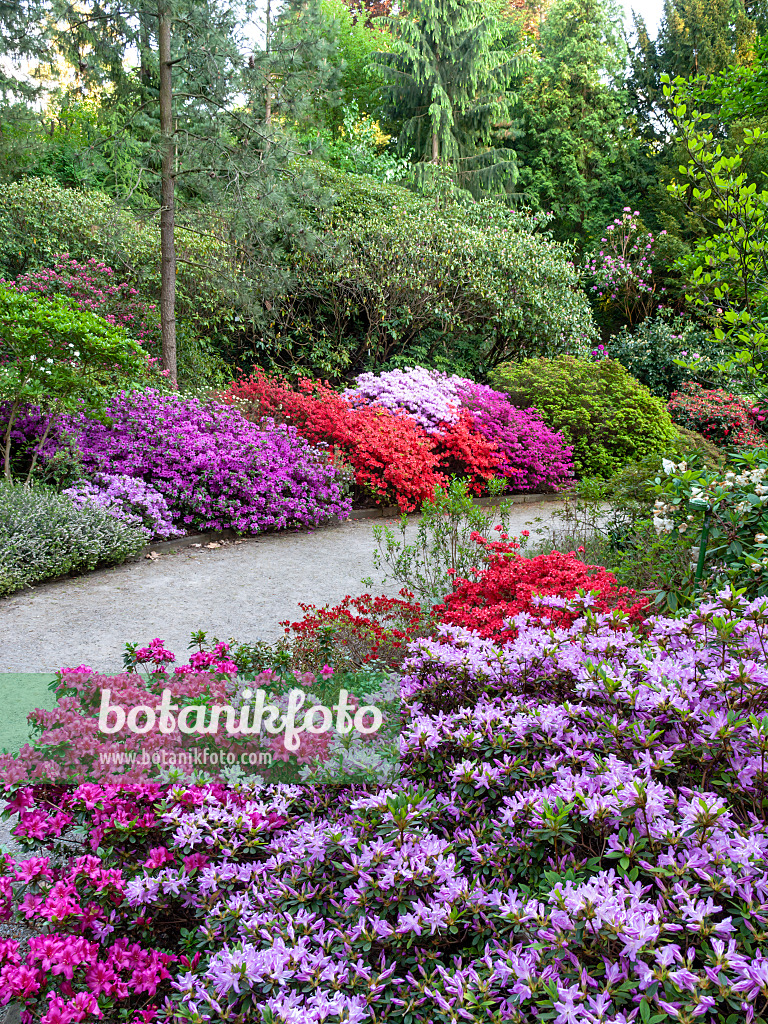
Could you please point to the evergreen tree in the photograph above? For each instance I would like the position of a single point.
(450, 88)
(575, 151)
(696, 38)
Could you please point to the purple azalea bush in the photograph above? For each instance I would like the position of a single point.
(578, 837)
(214, 469)
(128, 498)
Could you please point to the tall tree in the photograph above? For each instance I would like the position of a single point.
(450, 87)
(575, 151)
(695, 38)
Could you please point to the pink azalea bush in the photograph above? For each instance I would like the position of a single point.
(578, 836)
(94, 286)
(214, 469)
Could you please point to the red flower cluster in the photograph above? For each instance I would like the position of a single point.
(718, 415)
(510, 583)
(361, 629)
(393, 457)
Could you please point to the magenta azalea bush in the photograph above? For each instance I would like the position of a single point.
(578, 837)
(528, 453)
(214, 469)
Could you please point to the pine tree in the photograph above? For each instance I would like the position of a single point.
(450, 89)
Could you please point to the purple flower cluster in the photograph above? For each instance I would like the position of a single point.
(214, 469)
(584, 843)
(128, 498)
(532, 454)
(429, 396)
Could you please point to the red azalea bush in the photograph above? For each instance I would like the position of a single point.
(391, 455)
(462, 451)
(721, 417)
(357, 631)
(511, 584)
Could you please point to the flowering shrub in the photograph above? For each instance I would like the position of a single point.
(721, 417)
(608, 417)
(392, 457)
(530, 454)
(650, 351)
(512, 584)
(621, 268)
(93, 286)
(725, 514)
(129, 499)
(356, 631)
(214, 469)
(417, 418)
(429, 396)
(585, 842)
(59, 358)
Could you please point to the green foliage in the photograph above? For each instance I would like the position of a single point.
(43, 535)
(356, 43)
(360, 149)
(727, 270)
(442, 546)
(60, 358)
(41, 219)
(652, 350)
(608, 416)
(448, 84)
(396, 270)
(723, 513)
(575, 152)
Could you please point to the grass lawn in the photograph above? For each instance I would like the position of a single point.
(20, 693)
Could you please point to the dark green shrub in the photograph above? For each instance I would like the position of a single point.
(42, 535)
(609, 417)
(649, 352)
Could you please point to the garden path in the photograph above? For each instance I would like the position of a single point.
(241, 590)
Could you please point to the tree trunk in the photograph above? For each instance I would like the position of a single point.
(268, 86)
(167, 242)
(435, 148)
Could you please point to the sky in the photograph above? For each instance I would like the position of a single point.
(650, 10)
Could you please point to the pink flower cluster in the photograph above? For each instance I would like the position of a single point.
(622, 270)
(92, 286)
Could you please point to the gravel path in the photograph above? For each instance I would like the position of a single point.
(240, 590)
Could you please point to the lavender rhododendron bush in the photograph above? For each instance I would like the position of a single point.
(579, 837)
(213, 469)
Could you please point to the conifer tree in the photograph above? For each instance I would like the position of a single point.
(574, 150)
(450, 88)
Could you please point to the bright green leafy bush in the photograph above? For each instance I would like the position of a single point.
(608, 416)
(43, 534)
(60, 358)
